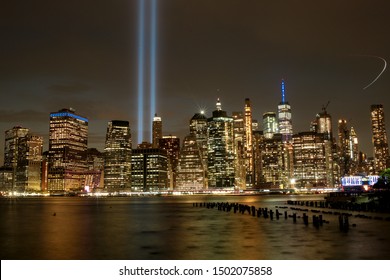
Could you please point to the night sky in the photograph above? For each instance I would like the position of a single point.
(83, 54)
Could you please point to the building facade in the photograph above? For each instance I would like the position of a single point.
(23, 155)
(117, 156)
(172, 145)
(67, 159)
(379, 138)
(149, 172)
(221, 156)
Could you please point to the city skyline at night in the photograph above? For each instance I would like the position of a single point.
(85, 56)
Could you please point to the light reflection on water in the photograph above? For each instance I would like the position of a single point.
(171, 228)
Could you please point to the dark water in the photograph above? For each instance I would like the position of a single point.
(146, 228)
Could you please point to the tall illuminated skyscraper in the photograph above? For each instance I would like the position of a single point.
(23, 155)
(239, 149)
(324, 124)
(191, 173)
(172, 145)
(68, 141)
(157, 131)
(284, 117)
(220, 150)
(198, 128)
(117, 156)
(248, 145)
(270, 125)
(344, 147)
(379, 138)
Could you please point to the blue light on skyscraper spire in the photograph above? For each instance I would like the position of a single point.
(283, 92)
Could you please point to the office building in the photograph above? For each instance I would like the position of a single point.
(248, 144)
(149, 170)
(221, 157)
(157, 131)
(191, 172)
(172, 145)
(117, 156)
(67, 159)
(23, 155)
(379, 138)
(270, 125)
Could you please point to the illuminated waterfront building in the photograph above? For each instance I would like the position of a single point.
(117, 156)
(6, 178)
(379, 138)
(221, 157)
(172, 145)
(258, 139)
(198, 128)
(157, 131)
(311, 167)
(270, 124)
(274, 171)
(344, 147)
(149, 170)
(191, 173)
(284, 117)
(239, 149)
(94, 176)
(23, 155)
(248, 143)
(68, 140)
(324, 124)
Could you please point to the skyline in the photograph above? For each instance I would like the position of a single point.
(84, 56)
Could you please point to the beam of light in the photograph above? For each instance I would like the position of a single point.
(153, 48)
(141, 27)
(383, 70)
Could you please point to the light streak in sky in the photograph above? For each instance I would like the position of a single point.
(151, 43)
(383, 70)
(153, 47)
(141, 29)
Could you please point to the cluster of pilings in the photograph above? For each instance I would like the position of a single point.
(317, 220)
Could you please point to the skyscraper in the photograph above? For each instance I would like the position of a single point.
(270, 125)
(239, 149)
(23, 155)
(191, 173)
(172, 145)
(220, 149)
(324, 124)
(248, 144)
(117, 156)
(68, 140)
(344, 147)
(284, 117)
(149, 169)
(310, 164)
(157, 131)
(379, 138)
(198, 128)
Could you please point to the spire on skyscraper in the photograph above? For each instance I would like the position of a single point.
(219, 105)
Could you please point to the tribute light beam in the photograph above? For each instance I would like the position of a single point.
(153, 48)
(383, 70)
(141, 30)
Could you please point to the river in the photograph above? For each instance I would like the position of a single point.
(147, 228)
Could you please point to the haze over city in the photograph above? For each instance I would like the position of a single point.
(84, 55)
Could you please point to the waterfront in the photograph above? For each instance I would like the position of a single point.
(172, 228)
